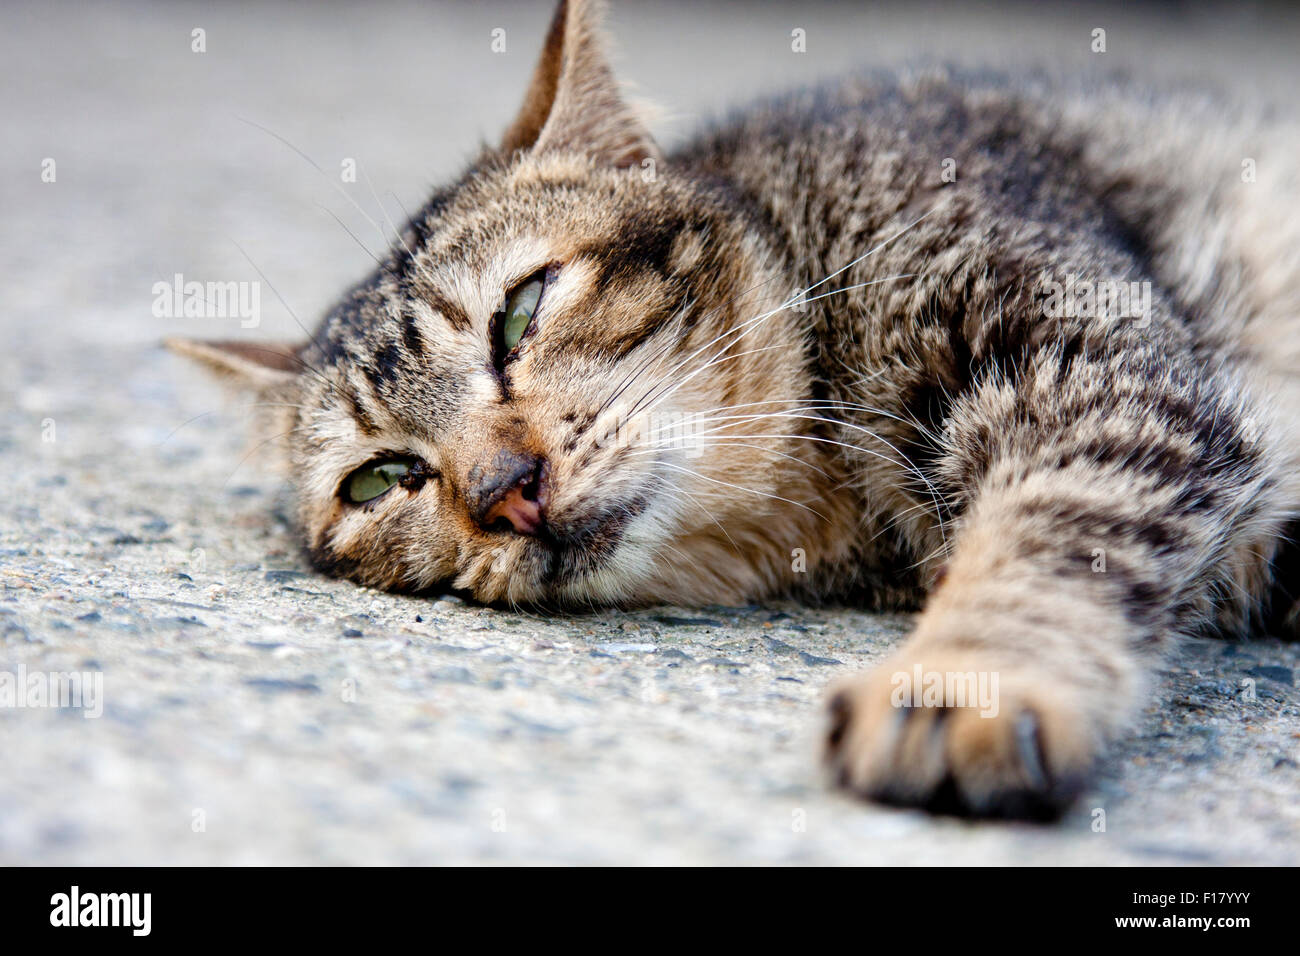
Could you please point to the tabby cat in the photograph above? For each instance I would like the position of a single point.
(1020, 353)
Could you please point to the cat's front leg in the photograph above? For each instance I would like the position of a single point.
(1067, 574)
(1026, 661)
(1104, 503)
(1002, 699)
(1023, 754)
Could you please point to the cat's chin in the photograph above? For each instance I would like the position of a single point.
(589, 557)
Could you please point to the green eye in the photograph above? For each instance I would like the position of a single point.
(518, 313)
(370, 481)
(511, 323)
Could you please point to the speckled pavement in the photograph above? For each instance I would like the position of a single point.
(254, 712)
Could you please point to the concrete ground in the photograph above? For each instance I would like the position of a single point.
(254, 712)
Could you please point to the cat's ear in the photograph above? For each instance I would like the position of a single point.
(257, 366)
(573, 102)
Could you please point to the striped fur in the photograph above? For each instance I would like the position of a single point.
(1061, 494)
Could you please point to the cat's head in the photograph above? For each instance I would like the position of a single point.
(554, 389)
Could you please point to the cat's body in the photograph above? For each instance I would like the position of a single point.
(1048, 182)
(925, 425)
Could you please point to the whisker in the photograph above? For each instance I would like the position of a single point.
(711, 516)
(254, 451)
(632, 376)
(905, 463)
(364, 247)
(191, 421)
(384, 209)
(316, 166)
(795, 298)
(871, 252)
(743, 329)
(830, 404)
(294, 315)
(752, 491)
(736, 444)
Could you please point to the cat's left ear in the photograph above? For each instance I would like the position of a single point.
(256, 366)
(573, 102)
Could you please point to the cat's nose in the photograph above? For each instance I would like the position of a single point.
(509, 492)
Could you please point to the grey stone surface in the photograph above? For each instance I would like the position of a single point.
(305, 720)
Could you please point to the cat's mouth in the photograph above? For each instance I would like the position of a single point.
(580, 546)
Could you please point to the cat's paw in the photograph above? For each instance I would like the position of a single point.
(1017, 747)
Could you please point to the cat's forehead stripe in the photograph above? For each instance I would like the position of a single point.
(365, 421)
(411, 336)
(426, 300)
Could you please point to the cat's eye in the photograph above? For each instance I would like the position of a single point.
(370, 481)
(516, 315)
(519, 312)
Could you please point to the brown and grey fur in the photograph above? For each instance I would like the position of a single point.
(915, 426)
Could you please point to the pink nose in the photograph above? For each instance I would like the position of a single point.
(523, 513)
(511, 490)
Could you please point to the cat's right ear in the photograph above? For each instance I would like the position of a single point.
(255, 366)
(573, 102)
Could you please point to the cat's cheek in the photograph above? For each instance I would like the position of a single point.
(502, 570)
(369, 543)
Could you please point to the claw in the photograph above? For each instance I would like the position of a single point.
(1029, 743)
(841, 712)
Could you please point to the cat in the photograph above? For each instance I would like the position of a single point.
(1019, 353)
